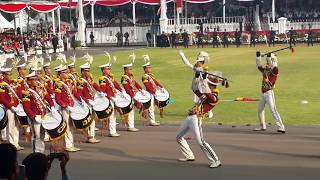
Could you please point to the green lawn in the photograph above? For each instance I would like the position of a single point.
(299, 80)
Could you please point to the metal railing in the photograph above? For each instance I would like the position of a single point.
(213, 20)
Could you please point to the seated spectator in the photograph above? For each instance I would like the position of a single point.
(38, 166)
(8, 162)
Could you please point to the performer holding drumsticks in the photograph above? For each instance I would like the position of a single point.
(36, 100)
(131, 86)
(151, 85)
(110, 87)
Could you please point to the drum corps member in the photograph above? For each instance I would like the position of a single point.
(64, 93)
(87, 89)
(36, 100)
(10, 101)
(269, 77)
(151, 85)
(194, 119)
(110, 87)
(131, 86)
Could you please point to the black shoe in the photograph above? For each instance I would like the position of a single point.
(281, 131)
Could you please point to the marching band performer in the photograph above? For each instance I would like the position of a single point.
(194, 119)
(151, 85)
(22, 85)
(130, 85)
(110, 86)
(48, 78)
(10, 101)
(88, 87)
(64, 93)
(269, 74)
(36, 100)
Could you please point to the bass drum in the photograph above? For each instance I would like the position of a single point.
(21, 116)
(102, 106)
(162, 97)
(3, 118)
(54, 125)
(124, 102)
(80, 116)
(143, 97)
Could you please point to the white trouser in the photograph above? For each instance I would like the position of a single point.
(4, 134)
(112, 120)
(13, 128)
(92, 127)
(69, 131)
(131, 119)
(150, 116)
(194, 124)
(37, 136)
(269, 98)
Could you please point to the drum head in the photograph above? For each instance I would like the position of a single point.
(52, 121)
(100, 103)
(20, 111)
(162, 95)
(142, 96)
(80, 112)
(2, 113)
(123, 100)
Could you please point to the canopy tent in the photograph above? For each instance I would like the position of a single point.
(4, 23)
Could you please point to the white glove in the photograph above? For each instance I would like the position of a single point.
(83, 103)
(14, 109)
(70, 108)
(53, 110)
(113, 99)
(102, 94)
(38, 119)
(91, 102)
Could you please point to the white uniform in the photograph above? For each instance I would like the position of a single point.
(194, 124)
(267, 98)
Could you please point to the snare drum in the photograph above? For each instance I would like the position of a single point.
(80, 116)
(143, 97)
(102, 106)
(21, 116)
(54, 125)
(3, 118)
(124, 102)
(162, 97)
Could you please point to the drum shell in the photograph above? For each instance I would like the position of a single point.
(82, 123)
(4, 121)
(23, 120)
(162, 104)
(57, 132)
(146, 105)
(105, 113)
(127, 109)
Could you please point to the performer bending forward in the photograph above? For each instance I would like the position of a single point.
(194, 120)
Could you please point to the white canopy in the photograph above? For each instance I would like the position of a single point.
(4, 23)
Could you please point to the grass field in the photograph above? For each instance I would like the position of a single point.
(298, 80)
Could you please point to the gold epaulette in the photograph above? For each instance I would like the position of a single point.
(217, 91)
(145, 78)
(2, 90)
(44, 78)
(124, 80)
(3, 84)
(206, 68)
(57, 90)
(25, 92)
(25, 99)
(18, 80)
(102, 80)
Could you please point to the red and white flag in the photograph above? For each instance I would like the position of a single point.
(179, 6)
